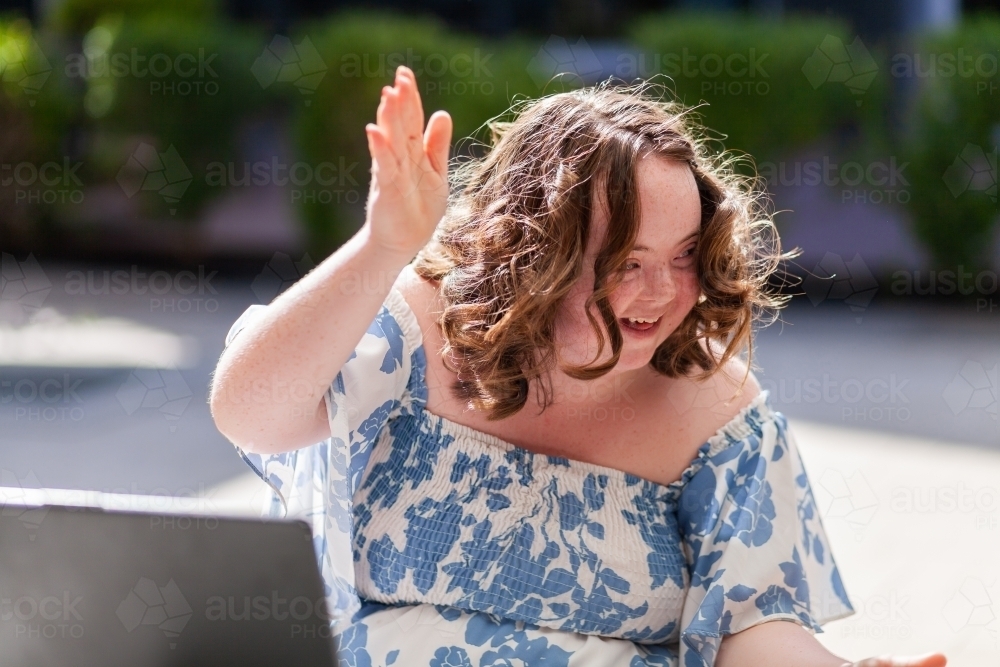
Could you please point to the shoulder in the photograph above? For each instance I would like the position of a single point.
(420, 295)
(711, 403)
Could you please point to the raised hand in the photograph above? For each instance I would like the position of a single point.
(409, 187)
(926, 660)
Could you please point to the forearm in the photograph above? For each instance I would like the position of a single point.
(775, 643)
(270, 381)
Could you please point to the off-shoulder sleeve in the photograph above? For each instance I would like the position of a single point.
(317, 483)
(753, 539)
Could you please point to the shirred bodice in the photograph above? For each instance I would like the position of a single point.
(448, 514)
(411, 510)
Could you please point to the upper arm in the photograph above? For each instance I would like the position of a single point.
(305, 425)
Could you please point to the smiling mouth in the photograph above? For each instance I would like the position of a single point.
(634, 324)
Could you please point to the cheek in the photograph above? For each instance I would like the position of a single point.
(623, 296)
(689, 288)
(571, 320)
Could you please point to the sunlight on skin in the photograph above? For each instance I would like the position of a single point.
(788, 644)
(773, 644)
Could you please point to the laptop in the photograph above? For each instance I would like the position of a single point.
(93, 587)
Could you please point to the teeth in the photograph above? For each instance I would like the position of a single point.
(639, 319)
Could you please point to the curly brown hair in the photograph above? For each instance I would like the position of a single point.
(511, 244)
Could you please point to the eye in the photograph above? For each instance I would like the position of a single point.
(631, 265)
(690, 251)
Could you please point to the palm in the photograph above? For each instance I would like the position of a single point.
(928, 660)
(409, 190)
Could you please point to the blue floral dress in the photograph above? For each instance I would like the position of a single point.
(444, 546)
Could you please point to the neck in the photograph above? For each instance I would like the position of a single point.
(615, 395)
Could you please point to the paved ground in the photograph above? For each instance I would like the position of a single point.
(894, 408)
(899, 367)
(905, 367)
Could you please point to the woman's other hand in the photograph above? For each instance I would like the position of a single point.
(409, 186)
(925, 660)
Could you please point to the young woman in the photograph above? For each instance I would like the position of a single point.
(518, 419)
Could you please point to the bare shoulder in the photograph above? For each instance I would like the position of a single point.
(420, 294)
(709, 404)
(736, 378)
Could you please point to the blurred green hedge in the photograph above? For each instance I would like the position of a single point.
(192, 93)
(76, 17)
(952, 141)
(473, 79)
(766, 85)
(770, 88)
(36, 109)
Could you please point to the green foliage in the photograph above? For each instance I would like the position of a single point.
(76, 17)
(471, 78)
(768, 88)
(36, 109)
(191, 88)
(767, 85)
(952, 142)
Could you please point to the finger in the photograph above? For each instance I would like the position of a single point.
(382, 114)
(437, 141)
(411, 116)
(925, 660)
(930, 660)
(383, 160)
(393, 123)
(414, 116)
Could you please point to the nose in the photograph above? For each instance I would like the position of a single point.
(661, 284)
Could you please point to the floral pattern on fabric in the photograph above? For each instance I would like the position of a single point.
(441, 545)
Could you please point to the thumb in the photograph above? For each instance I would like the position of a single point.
(437, 141)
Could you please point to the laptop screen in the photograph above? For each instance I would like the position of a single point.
(85, 586)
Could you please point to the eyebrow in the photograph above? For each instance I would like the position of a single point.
(641, 248)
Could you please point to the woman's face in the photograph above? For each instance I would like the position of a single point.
(660, 280)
